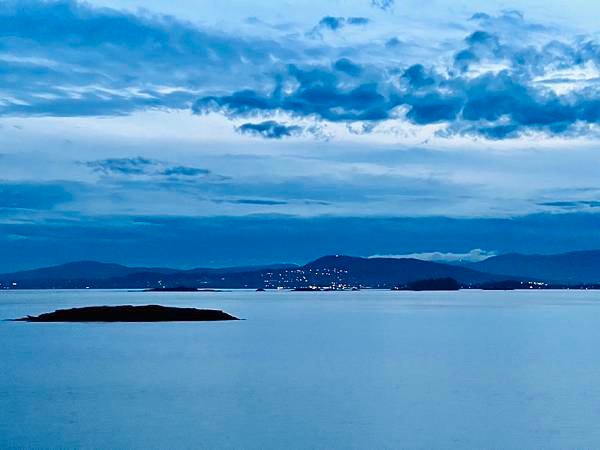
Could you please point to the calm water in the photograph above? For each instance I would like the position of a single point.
(377, 369)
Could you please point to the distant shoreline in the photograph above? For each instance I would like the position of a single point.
(300, 290)
(576, 270)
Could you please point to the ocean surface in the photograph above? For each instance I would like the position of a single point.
(330, 370)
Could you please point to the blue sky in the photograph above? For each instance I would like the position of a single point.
(258, 131)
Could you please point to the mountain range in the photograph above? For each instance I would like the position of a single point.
(566, 268)
(337, 270)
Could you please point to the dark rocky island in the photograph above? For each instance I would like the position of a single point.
(129, 313)
(434, 284)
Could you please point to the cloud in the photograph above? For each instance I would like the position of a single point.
(66, 58)
(471, 256)
(509, 21)
(382, 4)
(572, 204)
(124, 166)
(270, 129)
(501, 104)
(480, 44)
(333, 23)
(507, 78)
(317, 92)
(347, 66)
(140, 166)
(418, 77)
(185, 171)
(255, 201)
(357, 21)
(393, 43)
(337, 23)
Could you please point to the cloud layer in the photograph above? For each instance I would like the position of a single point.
(66, 58)
(506, 78)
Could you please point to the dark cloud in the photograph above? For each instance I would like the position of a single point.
(318, 93)
(337, 23)
(143, 166)
(348, 67)
(418, 77)
(433, 107)
(393, 43)
(492, 104)
(185, 171)
(123, 166)
(480, 45)
(382, 4)
(255, 201)
(495, 105)
(482, 38)
(270, 129)
(499, 105)
(572, 204)
(480, 16)
(333, 23)
(357, 21)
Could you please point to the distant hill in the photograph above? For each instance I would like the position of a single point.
(238, 269)
(326, 271)
(389, 272)
(91, 270)
(337, 270)
(572, 267)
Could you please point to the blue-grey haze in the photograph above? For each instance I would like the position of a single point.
(227, 241)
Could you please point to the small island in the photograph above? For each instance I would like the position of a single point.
(129, 313)
(433, 284)
(180, 289)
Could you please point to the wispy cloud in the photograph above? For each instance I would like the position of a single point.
(471, 256)
(256, 201)
(67, 58)
(125, 166)
(143, 166)
(185, 171)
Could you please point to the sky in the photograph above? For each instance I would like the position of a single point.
(197, 133)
